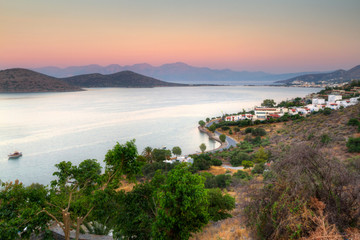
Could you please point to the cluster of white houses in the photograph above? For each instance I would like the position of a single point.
(262, 113)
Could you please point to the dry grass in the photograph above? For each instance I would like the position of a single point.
(126, 186)
(216, 170)
(228, 229)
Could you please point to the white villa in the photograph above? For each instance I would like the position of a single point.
(262, 113)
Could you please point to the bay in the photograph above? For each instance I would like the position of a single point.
(73, 126)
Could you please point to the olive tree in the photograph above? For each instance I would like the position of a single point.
(202, 147)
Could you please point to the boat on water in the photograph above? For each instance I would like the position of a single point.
(15, 154)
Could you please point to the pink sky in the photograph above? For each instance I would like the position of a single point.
(240, 35)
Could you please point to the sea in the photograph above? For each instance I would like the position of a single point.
(73, 126)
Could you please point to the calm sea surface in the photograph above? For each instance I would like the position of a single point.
(53, 127)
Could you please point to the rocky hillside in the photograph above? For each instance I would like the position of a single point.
(120, 79)
(328, 133)
(23, 80)
(338, 76)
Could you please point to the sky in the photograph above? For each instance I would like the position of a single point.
(275, 36)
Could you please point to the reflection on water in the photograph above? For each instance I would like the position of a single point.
(53, 127)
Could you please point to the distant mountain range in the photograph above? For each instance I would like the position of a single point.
(24, 80)
(175, 72)
(338, 76)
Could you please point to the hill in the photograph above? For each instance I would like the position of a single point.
(175, 72)
(24, 80)
(120, 79)
(338, 76)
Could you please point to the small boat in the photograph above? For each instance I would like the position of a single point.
(15, 154)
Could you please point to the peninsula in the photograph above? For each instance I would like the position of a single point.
(19, 80)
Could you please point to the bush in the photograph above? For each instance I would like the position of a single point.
(210, 181)
(325, 139)
(258, 169)
(216, 162)
(353, 144)
(148, 170)
(219, 204)
(202, 162)
(248, 130)
(247, 164)
(236, 129)
(327, 111)
(258, 132)
(223, 180)
(224, 128)
(242, 175)
(230, 132)
(238, 157)
(353, 122)
(222, 137)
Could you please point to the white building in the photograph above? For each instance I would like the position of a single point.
(262, 113)
(316, 101)
(334, 98)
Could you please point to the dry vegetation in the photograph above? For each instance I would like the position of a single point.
(304, 152)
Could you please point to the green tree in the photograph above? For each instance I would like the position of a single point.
(183, 205)
(219, 204)
(268, 103)
(19, 206)
(79, 189)
(247, 164)
(202, 123)
(160, 155)
(176, 150)
(202, 147)
(207, 119)
(222, 138)
(260, 156)
(258, 132)
(147, 153)
(202, 162)
(212, 128)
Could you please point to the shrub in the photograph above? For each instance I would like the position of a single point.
(238, 157)
(327, 111)
(260, 156)
(258, 169)
(236, 129)
(216, 162)
(223, 180)
(258, 132)
(353, 122)
(202, 161)
(230, 132)
(353, 144)
(210, 181)
(247, 164)
(224, 128)
(242, 175)
(248, 130)
(219, 204)
(325, 139)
